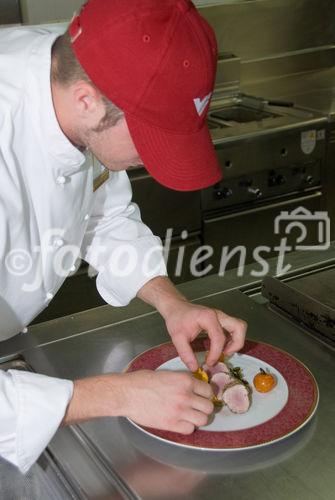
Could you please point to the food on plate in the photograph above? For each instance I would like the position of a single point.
(218, 382)
(228, 384)
(231, 389)
(213, 370)
(264, 381)
(200, 374)
(237, 396)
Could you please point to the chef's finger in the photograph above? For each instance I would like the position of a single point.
(216, 336)
(203, 404)
(236, 328)
(186, 353)
(195, 417)
(184, 427)
(202, 389)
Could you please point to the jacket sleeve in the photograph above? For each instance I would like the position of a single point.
(32, 407)
(119, 245)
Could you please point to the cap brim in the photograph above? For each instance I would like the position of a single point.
(184, 162)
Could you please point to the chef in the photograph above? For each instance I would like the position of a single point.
(130, 82)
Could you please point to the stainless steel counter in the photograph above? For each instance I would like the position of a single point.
(108, 458)
(300, 467)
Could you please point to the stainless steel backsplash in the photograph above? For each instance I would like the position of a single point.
(262, 28)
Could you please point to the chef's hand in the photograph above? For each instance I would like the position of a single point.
(173, 401)
(185, 321)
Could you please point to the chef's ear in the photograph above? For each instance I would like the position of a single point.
(86, 99)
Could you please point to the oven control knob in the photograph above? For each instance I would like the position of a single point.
(281, 179)
(255, 191)
(222, 194)
(309, 179)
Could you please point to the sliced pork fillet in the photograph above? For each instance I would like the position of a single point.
(229, 387)
(219, 381)
(213, 370)
(237, 396)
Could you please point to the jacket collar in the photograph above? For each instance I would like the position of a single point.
(69, 159)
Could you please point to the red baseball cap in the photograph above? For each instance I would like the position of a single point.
(155, 60)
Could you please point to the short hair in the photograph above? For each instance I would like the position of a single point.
(67, 70)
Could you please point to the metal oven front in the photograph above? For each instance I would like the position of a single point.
(265, 175)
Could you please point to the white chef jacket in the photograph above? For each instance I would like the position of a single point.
(47, 208)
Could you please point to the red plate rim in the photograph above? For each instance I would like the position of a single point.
(300, 407)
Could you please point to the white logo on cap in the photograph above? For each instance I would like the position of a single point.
(201, 104)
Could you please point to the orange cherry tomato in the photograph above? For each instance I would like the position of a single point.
(264, 381)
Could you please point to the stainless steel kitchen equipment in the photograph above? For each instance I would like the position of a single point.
(273, 160)
(309, 301)
(321, 100)
(259, 29)
(270, 153)
(264, 176)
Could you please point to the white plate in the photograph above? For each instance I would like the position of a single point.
(263, 406)
(271, 417)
